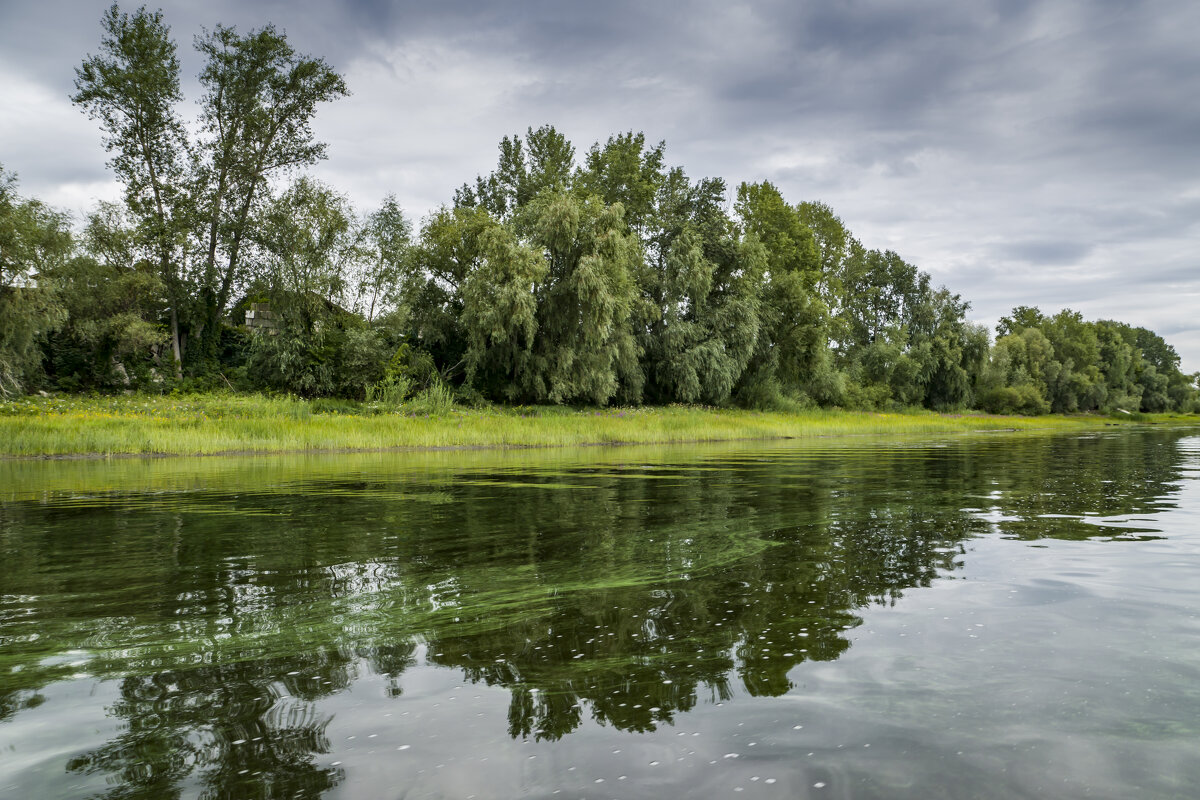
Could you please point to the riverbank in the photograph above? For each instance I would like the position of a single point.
(219, 424)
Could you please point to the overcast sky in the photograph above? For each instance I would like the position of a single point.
(1022, 153)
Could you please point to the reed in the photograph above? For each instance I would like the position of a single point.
(218, 423)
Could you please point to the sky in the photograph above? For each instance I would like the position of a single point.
(1022, 153)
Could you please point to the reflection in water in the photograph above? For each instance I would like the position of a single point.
(620, 586)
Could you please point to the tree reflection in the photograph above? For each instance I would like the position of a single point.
(240, 730)
(625, 593)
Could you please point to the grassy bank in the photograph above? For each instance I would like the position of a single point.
(209, 424)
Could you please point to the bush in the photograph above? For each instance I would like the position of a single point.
(1023, 399)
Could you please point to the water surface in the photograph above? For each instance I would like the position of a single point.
(984, 616)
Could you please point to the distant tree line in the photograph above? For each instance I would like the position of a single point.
(609, 277)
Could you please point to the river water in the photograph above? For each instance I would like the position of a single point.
(982, 616)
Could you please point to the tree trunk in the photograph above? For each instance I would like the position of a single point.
(175, 351)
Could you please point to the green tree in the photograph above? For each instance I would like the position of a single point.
(701, 282)
(132, 87)
(259, 99)
(545, 160)
(792, 355)
(833, 242)
(585, 349)
(500, 312)
(448, 250)
(625, 171)
(950, 351)
(1120, 362)
(115, 299)
(382, 246)
(318, 347)
(34, 241)
(1019, 372)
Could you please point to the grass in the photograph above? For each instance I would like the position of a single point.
(227, 423)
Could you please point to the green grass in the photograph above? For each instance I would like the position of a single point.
(218, 423)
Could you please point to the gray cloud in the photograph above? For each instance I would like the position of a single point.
(1023, 153)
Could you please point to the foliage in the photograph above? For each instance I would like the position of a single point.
(793, 344)
(543, 161)
(587, 352)
(34, 243)
(132, 87)
(114, 299)
(1076, 365)
(197, 199)
(611, 279)
(701, 291)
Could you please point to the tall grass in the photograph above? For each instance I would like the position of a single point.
(215, 423)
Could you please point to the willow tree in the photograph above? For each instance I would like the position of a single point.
(701, 285)
(500, 313)
(585, 349)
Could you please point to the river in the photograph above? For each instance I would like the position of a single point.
(978, 616)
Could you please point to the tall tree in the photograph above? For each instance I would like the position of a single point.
(131, 87)
(256, 113)
(544, 160)
(382, 245)
(833, 244)
(585, 349)
(448, 250)
(628, 172)
(500, 313)
(793, 346)
(701, 287)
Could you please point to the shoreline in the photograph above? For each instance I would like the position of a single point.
(81, 428)
(468, 447)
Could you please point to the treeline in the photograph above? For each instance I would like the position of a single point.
(594, 278)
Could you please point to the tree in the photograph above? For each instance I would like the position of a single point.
(500, 313)
(382, 245)
(545, 160)
(258, 103)
(792, 354)
(448, 250)
(114, 297)
(950, 351)
(256, 113)
(833, 243)
(131, 88)
(34, 240)
(698, 323)
(1018, 374)
(317, 347)
(625, 171)
(585, 350)
(1022, 317)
